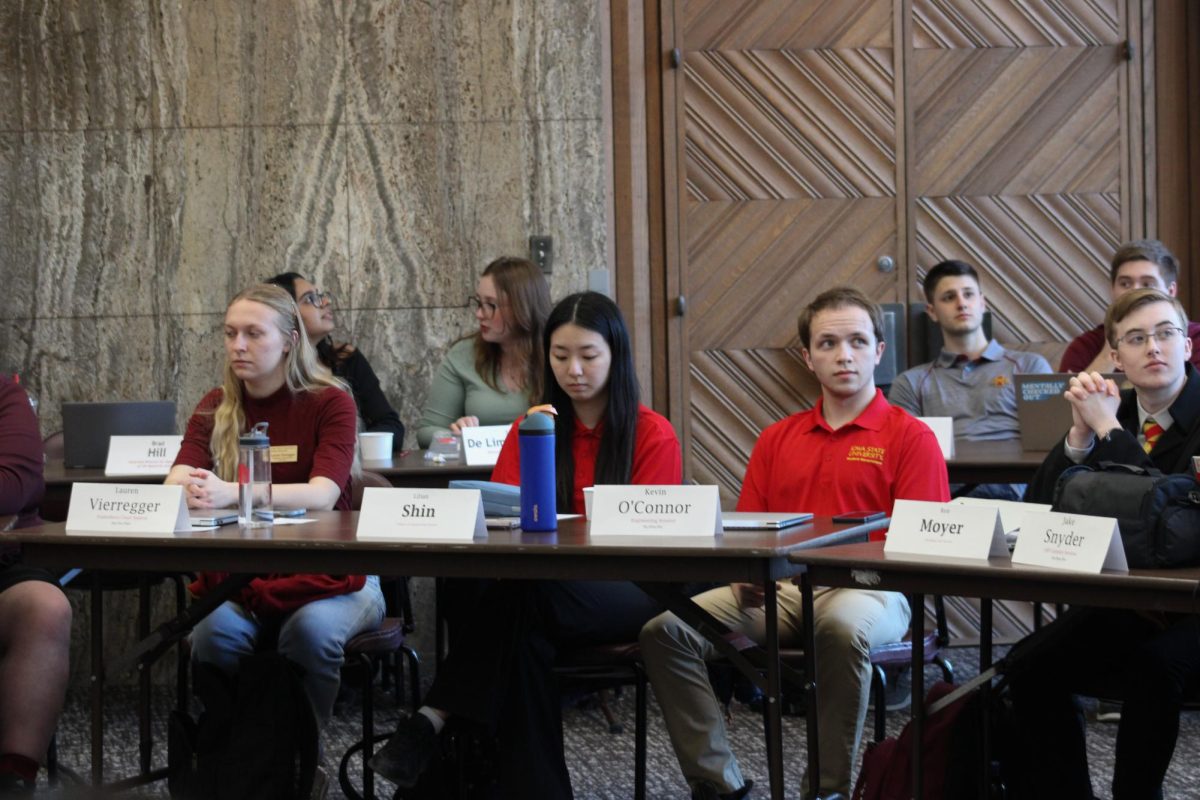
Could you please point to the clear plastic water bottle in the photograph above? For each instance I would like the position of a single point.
(254, 478)
(539, 505)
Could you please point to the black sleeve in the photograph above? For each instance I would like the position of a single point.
(377, 413)
(1121, 447)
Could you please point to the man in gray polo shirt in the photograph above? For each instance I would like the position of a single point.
(972, 378)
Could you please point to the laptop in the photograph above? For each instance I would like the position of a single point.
(499, 499)
(87, 427)
(1042, 412)
(762, 520)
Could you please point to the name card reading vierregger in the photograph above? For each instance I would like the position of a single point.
(127, 508)
(403, 514)
(658, 510)
(481, 445)
(141, 455)
(944, 529)
(1075, 542)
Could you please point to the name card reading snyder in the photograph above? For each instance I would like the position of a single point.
(945, 529)
(403, 514)
(659, 510)
(1075, 542)
(481, 445)
(127, 508)
(141, 455)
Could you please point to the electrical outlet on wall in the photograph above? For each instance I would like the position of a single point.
(541, 252)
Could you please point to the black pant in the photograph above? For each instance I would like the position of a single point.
(1113, 654)
(500, 669)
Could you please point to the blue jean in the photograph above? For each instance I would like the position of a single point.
(314, 636)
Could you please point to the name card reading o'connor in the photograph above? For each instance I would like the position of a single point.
(944, 529)
(131, 509)
(481, 445)
(403, 514)
(141, 455)
(658, 510)
(1075, 542)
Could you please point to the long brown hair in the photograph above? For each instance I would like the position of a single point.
(520, 285)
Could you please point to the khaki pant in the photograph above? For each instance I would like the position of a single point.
(849, 622)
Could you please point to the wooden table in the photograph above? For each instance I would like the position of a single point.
(330, 545)
(993, 462)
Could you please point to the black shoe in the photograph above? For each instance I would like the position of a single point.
(706, 791)
(14, 786)
(408, 752)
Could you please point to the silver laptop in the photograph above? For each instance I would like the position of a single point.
(762, 520)
(87, 426)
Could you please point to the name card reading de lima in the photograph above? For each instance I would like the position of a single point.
(141, 455)
(481, 445)
(945, 529)
(127, 508)
(1075, 542)
(402, 514)
(657, 510)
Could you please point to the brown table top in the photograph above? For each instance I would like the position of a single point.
(993, 462)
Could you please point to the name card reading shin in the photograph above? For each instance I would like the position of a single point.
(141, 455)
(657, 510)
(403, 514)
(481, 445)
(945, 529)
(132, 509)
(1073, 542)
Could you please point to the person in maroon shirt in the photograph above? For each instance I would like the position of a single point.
(35, 617)
(851, 452)
(499, 672)
(272, 375)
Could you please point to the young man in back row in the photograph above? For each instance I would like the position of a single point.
(852, 451)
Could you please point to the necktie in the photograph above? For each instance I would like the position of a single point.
(1151, 430)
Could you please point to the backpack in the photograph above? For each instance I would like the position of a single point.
(1159, 515)
(256, 738)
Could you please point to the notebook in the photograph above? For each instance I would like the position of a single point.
(87, 427)
(762, 520)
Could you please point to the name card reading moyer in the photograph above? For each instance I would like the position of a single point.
(481, 445)
(659, 510)
(403, 514)
(127, 508)
(944, 529)
(141, 455)
(1073, 542)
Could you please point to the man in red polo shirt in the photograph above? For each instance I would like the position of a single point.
(852, 451)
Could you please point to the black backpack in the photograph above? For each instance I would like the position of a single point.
(256, 738)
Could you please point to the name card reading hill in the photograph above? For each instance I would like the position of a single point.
(127, 508)
(141, 455)
(403, 514)
(481, 445)
(658, 510)
(1073, 542)
(944, 529)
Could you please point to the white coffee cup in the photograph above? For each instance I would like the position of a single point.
(588, 491)
(375, 446)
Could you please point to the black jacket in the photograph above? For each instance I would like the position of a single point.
(377, 413)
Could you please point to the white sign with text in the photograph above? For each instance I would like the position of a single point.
(1073, 542)
(944, 529)
(133, 509)
(481, 445)
(658, 510)
(403, 514)
(141, 455)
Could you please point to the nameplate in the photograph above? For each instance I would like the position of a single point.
(141, 455)
(403, 514)
(655, 510)
(944, 529)
(1011, 512)
(943, 429)
(285, 453)
(132, 509)
(1073, 542)
(481, 444)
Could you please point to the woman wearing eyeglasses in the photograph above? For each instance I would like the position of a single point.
(344, 360)
(491, 376)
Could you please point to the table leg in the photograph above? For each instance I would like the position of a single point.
(810, 687)
(985, 693)
(773, 696)
(917, 604)
(145, 742)
(97, 681)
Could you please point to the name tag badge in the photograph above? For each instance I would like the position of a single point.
(132, 509)
(284, 454)
(945, 529)
(1073, 542)
(141, 455)
(424, 514)
(481, 445)
(655, 510)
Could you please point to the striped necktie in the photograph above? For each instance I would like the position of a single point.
(1151, 430)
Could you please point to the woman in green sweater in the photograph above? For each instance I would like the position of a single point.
(493, 375)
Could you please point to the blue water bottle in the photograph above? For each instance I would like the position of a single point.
(538, 506)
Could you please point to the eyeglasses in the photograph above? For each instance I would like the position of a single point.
(316, 299)
(486, 307)
(1161, 335)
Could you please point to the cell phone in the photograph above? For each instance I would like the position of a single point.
(859, 516)
(291, 512)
